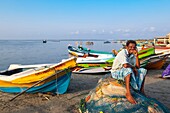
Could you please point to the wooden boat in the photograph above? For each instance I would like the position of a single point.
(98, 70)
(83, 53)
(156, 61)
(55, 78)
(75, 52)
(158, 49)
(146, 52)
(142, 54)
(87, 65)
(95, 63)
(93, 60)
(87, 50)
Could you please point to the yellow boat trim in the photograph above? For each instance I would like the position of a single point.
(45, 72)
(29, 84)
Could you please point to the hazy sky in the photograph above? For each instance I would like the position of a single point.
(84, 19)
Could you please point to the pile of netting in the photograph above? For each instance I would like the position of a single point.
(109, 97)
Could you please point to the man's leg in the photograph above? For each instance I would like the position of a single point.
(128, 93)
(142, 87)
(141, 79)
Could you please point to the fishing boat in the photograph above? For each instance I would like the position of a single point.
(155, 62)
(94, 62)
(146, 52)
(88, 65)
(142, 54)
(106, 42)
(54, 78)
(92, 51)
(44, 41)
(93, 70)
(75, 52)
(83, 53)
(162, 50)
(158, 49)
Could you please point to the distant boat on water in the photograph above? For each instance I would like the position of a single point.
(106, 42)
(44, 41)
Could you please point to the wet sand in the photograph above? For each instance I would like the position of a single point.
(80, 86)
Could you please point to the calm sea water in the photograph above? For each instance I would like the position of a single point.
(36, 52)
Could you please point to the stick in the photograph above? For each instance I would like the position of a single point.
(34, 85)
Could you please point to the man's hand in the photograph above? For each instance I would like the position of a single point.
(135, 52)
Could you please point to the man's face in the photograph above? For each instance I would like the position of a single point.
(131, 48)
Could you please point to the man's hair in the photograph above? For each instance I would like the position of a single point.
(130, 41)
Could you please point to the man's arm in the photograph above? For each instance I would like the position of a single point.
(137, 59)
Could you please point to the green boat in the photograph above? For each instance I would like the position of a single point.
(108, 63)
(146, 52)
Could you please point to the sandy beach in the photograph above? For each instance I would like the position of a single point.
(80, 86)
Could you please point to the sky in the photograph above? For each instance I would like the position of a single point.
(84, 19)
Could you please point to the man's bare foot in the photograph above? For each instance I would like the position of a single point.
(130, 99)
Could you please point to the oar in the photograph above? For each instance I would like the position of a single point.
(34, 85)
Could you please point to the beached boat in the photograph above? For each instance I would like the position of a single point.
(95, 63)
(146, 52)
(158, 49)
(155, 62)
(54, 78)
(87, 50)
(83, 53)
(142, 54)
(87, 65)
(93, 70)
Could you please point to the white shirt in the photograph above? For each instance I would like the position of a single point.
(123, 58)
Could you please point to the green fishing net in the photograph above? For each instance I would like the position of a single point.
(109, 97)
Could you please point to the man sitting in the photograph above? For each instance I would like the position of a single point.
(126, 67)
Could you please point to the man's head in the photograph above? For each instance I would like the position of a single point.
(131, 46)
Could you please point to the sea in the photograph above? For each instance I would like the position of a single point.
(30, 52)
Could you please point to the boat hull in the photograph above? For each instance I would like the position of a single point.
(54, 79)
(146, 52)
(78, 52)
(57, 84)
(98, 70)
(155, 64)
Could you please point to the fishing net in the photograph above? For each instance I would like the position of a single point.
(109, 97)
